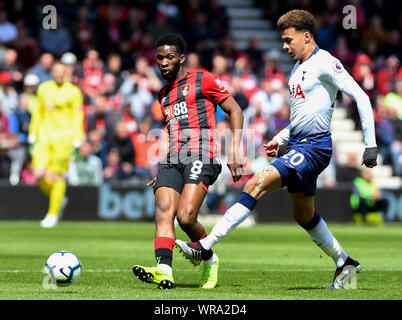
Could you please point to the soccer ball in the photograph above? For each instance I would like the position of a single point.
(63, 267)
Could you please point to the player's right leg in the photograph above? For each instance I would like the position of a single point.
(306, 216)
(50, 164)
(267, 180)
(166, 201)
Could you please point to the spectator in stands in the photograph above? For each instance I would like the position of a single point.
(113, 170)
(384, 130)
(19, 121)
(227, 48)
(11, 66)
(343, 52)
(272, 69)
(31, 82)
(255, 122)
(121, 141)
(8, 30)
(396, 145)
(350, 171)
(363, 74)
(86, 169)
(376, 31)
(242, 68)
(90, 73)
(271, 99)
(145, 49)
(114, 99)
(387, 75)
(393, 100)
(114, 66)
(143, 142)
(27, 173)
(238, 93)
(43, 67)
(138, 99)
(8, 94)
(28, 48)
(158, 26)
(56, 41)
(393, 47)
(255, 53)
(366, 200)
(278, 121)
(83, 32)
(102, 119)
(193, 61)
(4, 128)
(169, 10)
(69, 60)
(220, 70)
(146, 77)
(98, 144)
(134, 29)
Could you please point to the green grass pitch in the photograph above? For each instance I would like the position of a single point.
(262, 262)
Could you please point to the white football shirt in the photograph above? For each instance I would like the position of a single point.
(313, 86)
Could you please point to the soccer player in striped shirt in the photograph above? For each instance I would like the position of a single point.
(313, 84)
(188, 102)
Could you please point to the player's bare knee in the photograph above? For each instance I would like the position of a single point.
(186, 218)
(301, 216)
(162, 212)
(250, 185)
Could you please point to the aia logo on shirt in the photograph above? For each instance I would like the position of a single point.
(296, 91)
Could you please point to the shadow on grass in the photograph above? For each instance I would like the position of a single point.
(319, 288)
(187, 285)
(306, 288)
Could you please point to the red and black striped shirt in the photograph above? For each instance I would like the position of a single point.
(188, 105)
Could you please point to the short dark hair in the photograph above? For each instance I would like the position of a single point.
(301, 20)
(172, 39)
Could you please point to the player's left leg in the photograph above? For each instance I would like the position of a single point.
(190, 202)
(266, 181)
(55, 183)
(305, 215)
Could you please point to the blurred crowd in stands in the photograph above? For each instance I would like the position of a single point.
(107, 47)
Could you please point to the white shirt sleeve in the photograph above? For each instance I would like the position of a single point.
(283, 135)
(336, 74)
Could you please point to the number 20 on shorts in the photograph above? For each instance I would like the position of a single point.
(294, 158)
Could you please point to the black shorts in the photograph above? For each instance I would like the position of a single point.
(176, 175)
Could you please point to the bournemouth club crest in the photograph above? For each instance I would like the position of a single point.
(185, 89)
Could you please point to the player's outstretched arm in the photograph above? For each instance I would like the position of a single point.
(231, 107)
(339, 77)
(271, 148)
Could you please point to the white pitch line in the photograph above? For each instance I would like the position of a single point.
(224, 270)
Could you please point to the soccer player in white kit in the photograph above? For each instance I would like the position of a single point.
(313, 84)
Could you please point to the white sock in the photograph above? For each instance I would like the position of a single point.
(165, 267)
(235, 215)
(327, 242)
(212, 260)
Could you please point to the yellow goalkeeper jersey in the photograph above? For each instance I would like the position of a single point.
(59, 114)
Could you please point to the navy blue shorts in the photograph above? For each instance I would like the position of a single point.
(304, 160)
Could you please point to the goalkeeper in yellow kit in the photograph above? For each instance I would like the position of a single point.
(56, 128)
